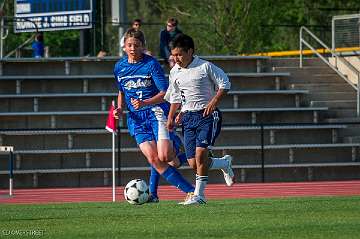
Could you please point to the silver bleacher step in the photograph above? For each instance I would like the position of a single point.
(229, 110)
(258, 74)
(354, 120)
(343, 104)
(58, 95)
(230, 147)
(287, 146)
(224, 128)
(254, 92)
(55, 95)
(55, 77)
(274, 109)
(111, 76)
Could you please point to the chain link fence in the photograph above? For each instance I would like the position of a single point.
(346, 31)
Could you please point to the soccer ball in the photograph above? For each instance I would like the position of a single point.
(136, 192)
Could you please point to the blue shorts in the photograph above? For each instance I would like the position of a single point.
(149, 125)
(200, 131)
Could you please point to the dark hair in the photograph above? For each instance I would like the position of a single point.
(172, 21)
(39, 37)
(135, 34)
(183, 42)
(138, 20)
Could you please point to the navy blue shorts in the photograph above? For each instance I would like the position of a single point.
(200, 131)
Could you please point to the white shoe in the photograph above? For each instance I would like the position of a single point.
(229, 173)
(195, 200)
(188, 196)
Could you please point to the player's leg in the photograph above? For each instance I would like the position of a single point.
(202, 162)
(155, 177)
(154, 180)
(190, 122)
(178, 142)
(165, 150)
(189, 144)
(178, 148)
(168, 151)
(153, 185)
(206, 133)
(149, 149)
(138, 128)
(174, 154)
(224, 163)
(157, 119)
(202, 172)
(165, 147)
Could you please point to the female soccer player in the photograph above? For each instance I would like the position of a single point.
(142, 86)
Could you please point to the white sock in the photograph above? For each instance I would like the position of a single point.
(200, 185)
(218, 163)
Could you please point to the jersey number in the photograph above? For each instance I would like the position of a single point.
(140, 94)
(182, 96)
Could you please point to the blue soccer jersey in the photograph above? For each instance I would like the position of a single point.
(141, 80)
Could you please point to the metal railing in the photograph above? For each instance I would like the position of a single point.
(336, 57)
(21, 46)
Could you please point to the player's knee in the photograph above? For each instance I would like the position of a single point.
(192, 163)
(165, 158)
(153, 159)
(174, 164)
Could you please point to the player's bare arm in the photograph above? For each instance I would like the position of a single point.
(214, 102)
(170, 122)
(156, 99)
(118, 111)
(178, 118)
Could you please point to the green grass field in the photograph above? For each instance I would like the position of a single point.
(320, 217)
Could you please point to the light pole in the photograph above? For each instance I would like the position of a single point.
(123, 21)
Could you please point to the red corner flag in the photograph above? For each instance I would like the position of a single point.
(111, 123)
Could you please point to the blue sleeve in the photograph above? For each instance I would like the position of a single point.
(116, 77)
(158, 76)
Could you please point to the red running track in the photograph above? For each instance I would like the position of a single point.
(213, 191)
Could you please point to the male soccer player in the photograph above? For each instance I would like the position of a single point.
(192, 86)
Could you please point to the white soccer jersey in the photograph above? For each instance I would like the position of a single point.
(195, 85)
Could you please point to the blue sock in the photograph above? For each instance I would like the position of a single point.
(154, 182)
(176, 179)
(177, 144)
(182, 158)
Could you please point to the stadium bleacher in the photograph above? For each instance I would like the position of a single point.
(53, 111)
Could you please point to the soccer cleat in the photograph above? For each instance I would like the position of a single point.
(228, 173)
(152, 199)
(188, 196)
(195, 200)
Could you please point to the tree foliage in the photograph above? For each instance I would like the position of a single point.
(218, 26)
